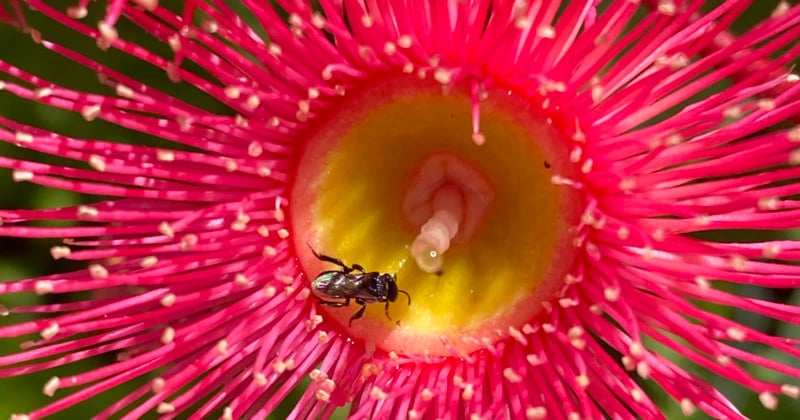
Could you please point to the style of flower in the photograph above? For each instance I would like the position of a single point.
(541, 177)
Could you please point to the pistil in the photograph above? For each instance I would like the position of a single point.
(435, 235)
(447, 199)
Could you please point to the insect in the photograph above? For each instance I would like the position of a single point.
(337, 287)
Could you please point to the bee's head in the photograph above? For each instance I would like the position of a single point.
(391, 287)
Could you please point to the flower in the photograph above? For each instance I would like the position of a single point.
(543, 180)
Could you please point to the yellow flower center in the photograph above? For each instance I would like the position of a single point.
(369, 179)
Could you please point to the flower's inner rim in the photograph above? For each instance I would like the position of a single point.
(398, 123)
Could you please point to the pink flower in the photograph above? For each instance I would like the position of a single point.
(544, 180)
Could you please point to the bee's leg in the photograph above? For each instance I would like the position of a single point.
(358, 313)
(322, 257)
(359, 268)
(386, 311)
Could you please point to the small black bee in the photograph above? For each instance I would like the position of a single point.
(336, 287)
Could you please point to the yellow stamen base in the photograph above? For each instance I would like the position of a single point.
(347, 202)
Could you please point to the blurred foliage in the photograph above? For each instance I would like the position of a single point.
(28, 258)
